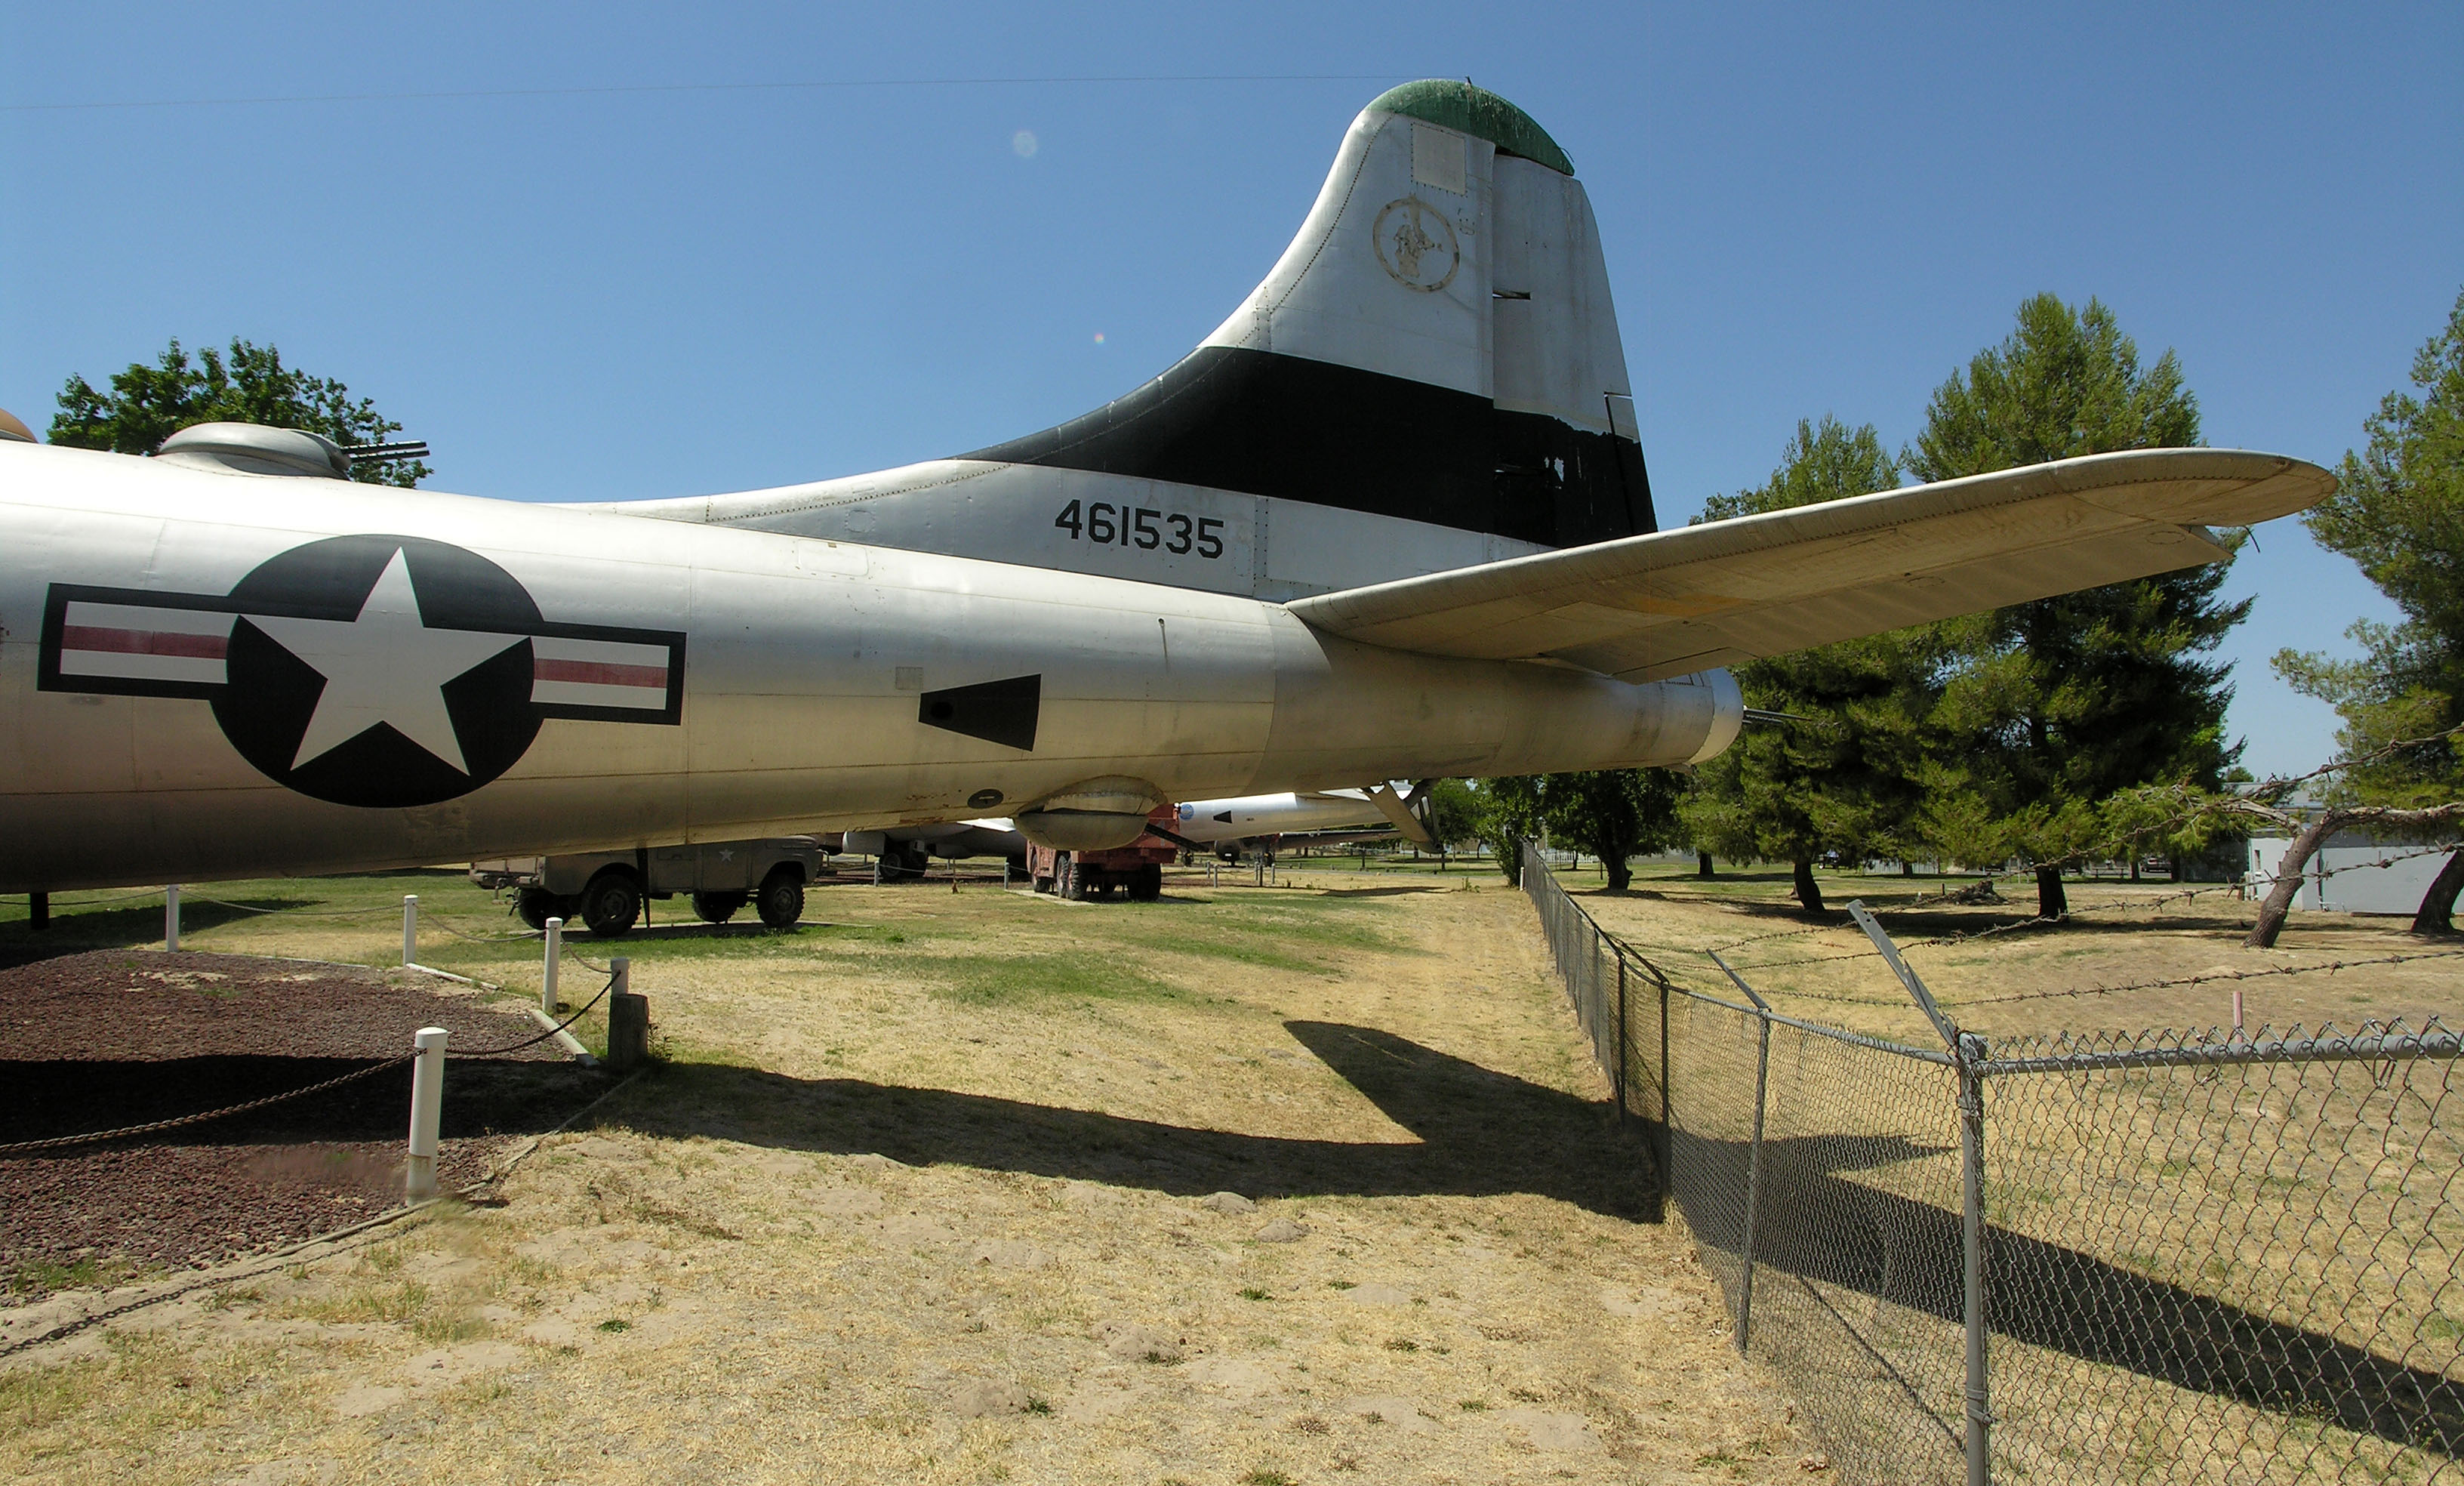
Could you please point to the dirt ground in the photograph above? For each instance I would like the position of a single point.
(1252, 1186)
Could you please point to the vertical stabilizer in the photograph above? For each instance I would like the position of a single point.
(1438, 343)
(1429, 378)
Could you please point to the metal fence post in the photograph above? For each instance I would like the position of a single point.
(548, 999)
(1971, 1243)
(172, 918)
(410, 928)
(1755, 1153)
(427, 1110)
(1620, 1041)
(1667, 1116)
(1968, 1052)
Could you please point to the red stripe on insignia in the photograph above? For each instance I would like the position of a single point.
(591, 673)
(146, 642)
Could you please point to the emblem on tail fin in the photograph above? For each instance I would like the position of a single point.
(1413, 254)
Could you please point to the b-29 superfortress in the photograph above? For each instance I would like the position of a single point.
(1390, 520)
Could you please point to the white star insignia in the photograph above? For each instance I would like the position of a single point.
(386, 666)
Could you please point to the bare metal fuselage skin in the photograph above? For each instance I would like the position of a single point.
(798, 676)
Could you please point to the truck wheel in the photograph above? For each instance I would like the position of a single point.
(782, 902)
(611, 903)
(1148, 884)
(1073, 881)
(536, 905)
(718, 907)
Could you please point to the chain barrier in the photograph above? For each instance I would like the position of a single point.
(63, 1141)
(296, 913)
(532, 1042)
(427, 920)
(2130, 1256)
(68, 902)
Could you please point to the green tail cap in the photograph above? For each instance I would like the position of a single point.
(1480, 113)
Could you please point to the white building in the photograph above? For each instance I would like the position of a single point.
(2352, 873)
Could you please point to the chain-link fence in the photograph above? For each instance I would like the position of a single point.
(2120, 1257)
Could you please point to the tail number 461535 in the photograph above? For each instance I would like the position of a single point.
(1142, 528)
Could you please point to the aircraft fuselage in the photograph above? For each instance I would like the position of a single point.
(216, 674)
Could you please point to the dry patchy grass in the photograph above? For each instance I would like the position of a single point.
(923, 1195)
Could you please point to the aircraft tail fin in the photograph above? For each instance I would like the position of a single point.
(1429, 379)
(1436, 344)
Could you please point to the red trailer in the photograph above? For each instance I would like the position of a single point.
(1135, 869)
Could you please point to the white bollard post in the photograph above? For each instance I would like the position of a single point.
(548, 1001)
(172, 918)
(427, 1112)
(620, 970)
(410, 928)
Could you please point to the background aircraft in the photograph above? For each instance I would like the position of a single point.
(1229, 826)
(1389, 520)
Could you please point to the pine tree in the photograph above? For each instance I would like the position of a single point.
(1842, 783)
(2055, 706)
(1612, 814)
(2399, 512)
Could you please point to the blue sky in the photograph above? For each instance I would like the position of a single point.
(724, 283)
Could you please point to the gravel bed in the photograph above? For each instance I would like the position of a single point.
(111, 1038)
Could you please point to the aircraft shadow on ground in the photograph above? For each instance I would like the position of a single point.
(1478, 1133)
(1829, 1231)
(1483, 1133)
(63, 1096)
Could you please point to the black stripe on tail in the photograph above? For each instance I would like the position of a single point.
(1265, 424)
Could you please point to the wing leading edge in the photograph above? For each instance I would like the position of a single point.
(1646, 607)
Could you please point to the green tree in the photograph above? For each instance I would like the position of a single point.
(1614, 814)
(1510, 813)
(147, 403)
(2398, 511)
(2053, 707)
(1453, 816)
(1842, 782)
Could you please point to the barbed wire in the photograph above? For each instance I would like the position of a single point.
(2205, 978)
(2280, 785)
(2146, 904)
(1778, 964)
(62, 1141)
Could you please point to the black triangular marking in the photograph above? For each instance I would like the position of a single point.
(1002, 711)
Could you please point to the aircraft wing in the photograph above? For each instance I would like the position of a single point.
(1698, 597)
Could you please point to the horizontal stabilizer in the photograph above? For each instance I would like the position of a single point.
(1674, 602)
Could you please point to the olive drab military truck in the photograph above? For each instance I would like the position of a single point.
(606, 890)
